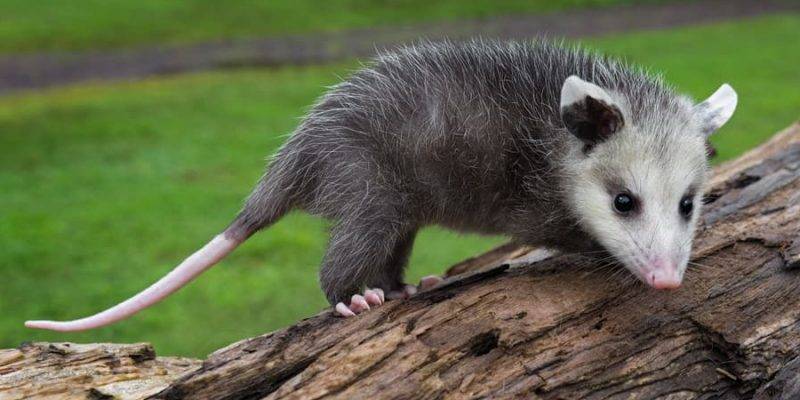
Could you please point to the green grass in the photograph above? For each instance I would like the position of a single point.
(105, 188)
(90, 24)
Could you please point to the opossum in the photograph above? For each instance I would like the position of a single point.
(550, 145)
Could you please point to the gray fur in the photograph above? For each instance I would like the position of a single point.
(466, 136)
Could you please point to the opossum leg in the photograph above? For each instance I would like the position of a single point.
(384, 276)
(364, 253)
(390, 278)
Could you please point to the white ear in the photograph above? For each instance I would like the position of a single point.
(576, 89)
(716, 110)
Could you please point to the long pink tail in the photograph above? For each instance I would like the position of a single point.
(190, 268)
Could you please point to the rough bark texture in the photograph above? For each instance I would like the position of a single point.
(510, 326)
(80, 371)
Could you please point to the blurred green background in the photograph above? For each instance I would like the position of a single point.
(104, 187)
(98, 24)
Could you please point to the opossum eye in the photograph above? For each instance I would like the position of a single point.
(624, 203)
(686, 206)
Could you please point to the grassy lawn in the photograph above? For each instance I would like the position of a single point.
(67, 25)
(105, 188)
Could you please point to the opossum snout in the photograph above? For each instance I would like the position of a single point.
(663, 273)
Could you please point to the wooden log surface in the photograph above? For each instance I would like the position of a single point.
(522, 323)
(95, 371)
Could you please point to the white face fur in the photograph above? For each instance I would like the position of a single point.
(638, 189)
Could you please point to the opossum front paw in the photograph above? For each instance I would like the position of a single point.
(430, 281)
(404, 292)
(407, 291)
(359, 303)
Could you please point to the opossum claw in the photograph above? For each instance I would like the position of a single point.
(404, 293)
(430, 281)
(374, 296)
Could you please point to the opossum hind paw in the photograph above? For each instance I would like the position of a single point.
(359, 303)
(375, 297)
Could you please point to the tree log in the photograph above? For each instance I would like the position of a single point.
(523, 323)
(94, 371)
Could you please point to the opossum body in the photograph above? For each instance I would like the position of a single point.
(551, 146)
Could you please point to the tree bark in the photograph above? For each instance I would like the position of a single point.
(521, 323)
(81, 371)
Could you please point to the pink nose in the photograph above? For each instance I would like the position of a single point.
(664, 274)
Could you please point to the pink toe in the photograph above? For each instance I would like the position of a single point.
(372, 298)
(404, 293)
(358, 303)
(344, 311)
(396, 294)
(430, 281)
(379, 291)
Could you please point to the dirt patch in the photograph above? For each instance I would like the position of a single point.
(41, 70)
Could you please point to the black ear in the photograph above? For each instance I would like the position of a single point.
(588, 111)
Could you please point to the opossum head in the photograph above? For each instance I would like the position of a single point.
(636, 178)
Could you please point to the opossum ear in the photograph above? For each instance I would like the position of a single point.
(588, 111)
(716, 110)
